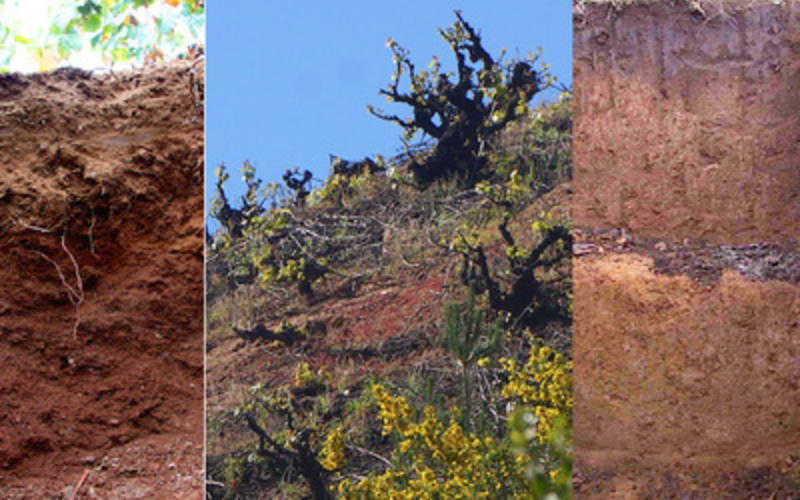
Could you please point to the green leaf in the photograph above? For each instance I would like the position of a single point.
(92, 23)
(165, 25)
(196, 22)
(69, 43)
(88, 8)
(96, 40)
(120, 54)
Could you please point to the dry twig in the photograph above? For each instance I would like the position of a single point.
(370, 453)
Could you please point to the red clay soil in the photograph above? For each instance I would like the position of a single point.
(688, 125)
(687, 337)
(101, 290)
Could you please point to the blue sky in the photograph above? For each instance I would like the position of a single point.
(288, 82)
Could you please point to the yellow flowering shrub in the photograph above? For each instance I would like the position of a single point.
(436, 458)
(544, 382)
(332, 453)
(394, 412)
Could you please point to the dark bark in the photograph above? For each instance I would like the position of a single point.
(288, 336)
(458, 114)
(300, 185)
(299, 457)
(345, 167)
(525, 291)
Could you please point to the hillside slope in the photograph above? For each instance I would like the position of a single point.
(291, 361)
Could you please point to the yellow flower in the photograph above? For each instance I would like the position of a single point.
(332, 454)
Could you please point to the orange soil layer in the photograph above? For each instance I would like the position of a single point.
(669, 372)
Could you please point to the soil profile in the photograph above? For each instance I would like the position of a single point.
(687, 293)
(101, 283)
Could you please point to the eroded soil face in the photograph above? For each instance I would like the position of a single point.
(687, 294)
(101, 289)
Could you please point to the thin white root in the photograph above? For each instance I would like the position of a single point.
(75, 294)
(33, 228)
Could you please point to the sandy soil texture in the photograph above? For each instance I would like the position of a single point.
(676, 377)
(101, 288)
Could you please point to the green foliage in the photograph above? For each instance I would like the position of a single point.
(505, 195)
(538, 147)
(255, 241)
(466, 338)
(526, 286)
(465, 334)
(271, 239)
(288, 422)
(548, 468)
(461, 111)
(305, 377)
(112, 31)
(234, 474)
(339, 187)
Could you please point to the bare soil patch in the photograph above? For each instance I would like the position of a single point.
(681, 385)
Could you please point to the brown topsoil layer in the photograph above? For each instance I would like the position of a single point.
(687, 120)
(101, 291)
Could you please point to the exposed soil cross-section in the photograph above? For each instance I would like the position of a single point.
(101, 295)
